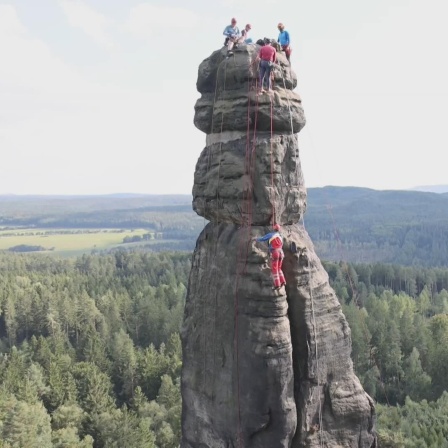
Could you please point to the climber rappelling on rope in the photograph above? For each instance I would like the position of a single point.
(275, 242)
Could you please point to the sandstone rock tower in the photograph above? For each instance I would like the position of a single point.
(261, 368)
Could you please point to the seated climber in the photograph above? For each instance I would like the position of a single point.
(244, 38)
(232, 34)
(275, 242)
(268, 57)
(284, 40)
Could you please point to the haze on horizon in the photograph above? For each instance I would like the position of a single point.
(97, 97)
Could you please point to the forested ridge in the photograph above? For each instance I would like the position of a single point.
(91, 355)
(345, 223)
(364, 225)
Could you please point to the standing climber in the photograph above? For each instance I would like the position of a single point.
(232, 34)
(275, 242)
(268, 57)
(284, 40)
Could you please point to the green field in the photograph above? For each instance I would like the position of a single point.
(66, 242)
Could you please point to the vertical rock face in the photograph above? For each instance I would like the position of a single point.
(261, 368)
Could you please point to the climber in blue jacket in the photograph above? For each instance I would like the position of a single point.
(232, 34)
(275, 243)
(284, 40)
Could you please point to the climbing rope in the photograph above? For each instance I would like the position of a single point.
(215, 94)
(247, 219)
(321, 429)
(208, 164)
(343, 257)
(215, 226)
(274, 219)
(220, 145)
(242, 254)
(310, 280)
(246, 212)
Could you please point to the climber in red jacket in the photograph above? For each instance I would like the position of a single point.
(275, 242)
(267, 57)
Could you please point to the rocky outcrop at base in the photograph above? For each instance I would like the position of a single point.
(261, 368)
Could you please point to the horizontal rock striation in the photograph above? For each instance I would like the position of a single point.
(234, 111)
(250, 169)
(261, 368)
(228, 94)
(231, 187)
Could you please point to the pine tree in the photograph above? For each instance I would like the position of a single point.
(61, 382)
(24, 425)
(417, 381)
(122, 428)
(124, 363)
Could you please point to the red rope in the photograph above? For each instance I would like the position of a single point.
(209, 157)
(243, 246)
(247, 210)
(272, 168)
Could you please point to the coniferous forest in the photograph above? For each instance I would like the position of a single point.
(399, 322)
(91, 354)
(90, 350)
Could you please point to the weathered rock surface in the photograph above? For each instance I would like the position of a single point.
(229, 186)
(238, 376)
(250, 169)
(261, 368)
(228, 88)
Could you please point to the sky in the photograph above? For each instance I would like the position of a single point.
(97, 96)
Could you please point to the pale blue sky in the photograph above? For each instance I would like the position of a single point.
(97, 96)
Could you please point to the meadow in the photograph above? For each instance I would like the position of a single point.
(64, 241)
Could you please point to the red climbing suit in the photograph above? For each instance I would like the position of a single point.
(277, 255)
(275, 242)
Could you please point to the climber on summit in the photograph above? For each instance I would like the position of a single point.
(244, 38)
(268, 57)
(232, 34)
(275, 242)
(284, 40)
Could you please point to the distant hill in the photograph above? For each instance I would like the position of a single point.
(432, 188)
(359, 204)
(34, 206)
(348, 223)
(364, 225)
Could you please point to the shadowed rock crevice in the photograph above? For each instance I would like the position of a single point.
(261, 368)
(326, 391)
(243, 371)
